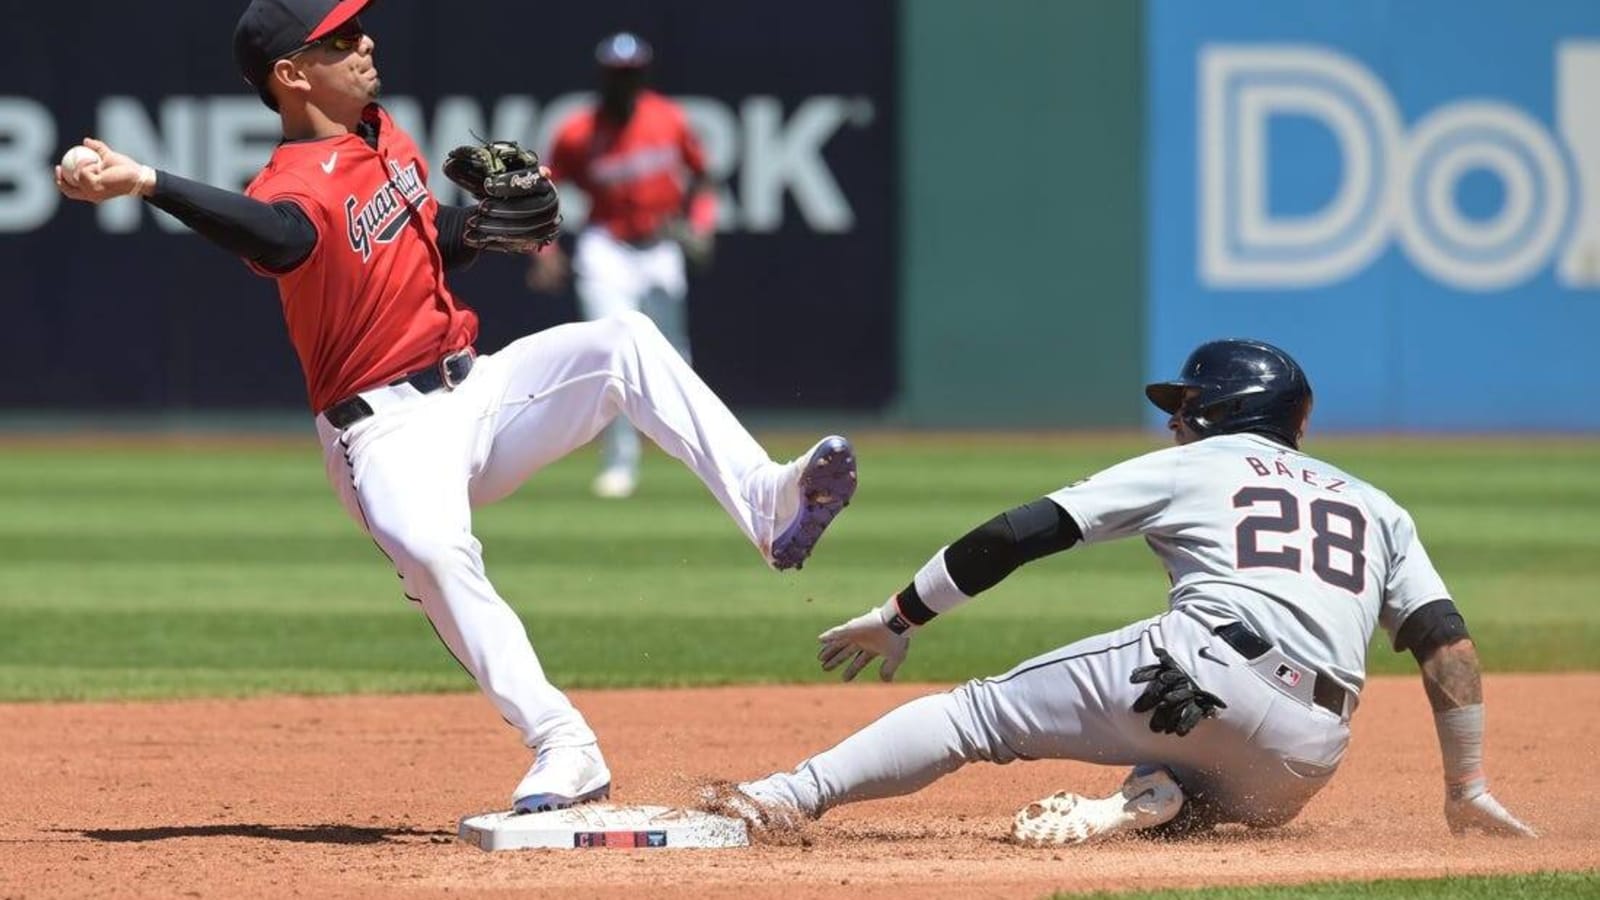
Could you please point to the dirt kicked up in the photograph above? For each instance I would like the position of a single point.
(359, 796)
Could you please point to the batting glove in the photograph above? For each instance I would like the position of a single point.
(876, 632)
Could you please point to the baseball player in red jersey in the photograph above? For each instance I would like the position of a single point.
(417, 429)
(643, 169)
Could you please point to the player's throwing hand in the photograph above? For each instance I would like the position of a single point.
(117, 175)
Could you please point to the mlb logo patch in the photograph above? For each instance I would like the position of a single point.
(1288, 674)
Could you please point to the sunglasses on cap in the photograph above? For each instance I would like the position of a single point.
(347, 38)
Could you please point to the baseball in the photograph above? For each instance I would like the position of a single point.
(75, 160)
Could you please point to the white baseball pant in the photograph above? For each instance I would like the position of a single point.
(412, 473)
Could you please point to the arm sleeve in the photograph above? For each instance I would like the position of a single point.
(276, 236)
(985, 556)
(1435, 624)
(452, 225)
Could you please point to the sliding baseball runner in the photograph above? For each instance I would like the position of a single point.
(1232, 706)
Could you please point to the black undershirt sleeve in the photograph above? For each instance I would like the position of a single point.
(275, 236)
(1429, 627)
(452, 225)
(984, 556)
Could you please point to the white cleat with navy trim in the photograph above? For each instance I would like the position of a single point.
(1149, 797)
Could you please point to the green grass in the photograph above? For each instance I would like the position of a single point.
(1538, 886)
(169, 571)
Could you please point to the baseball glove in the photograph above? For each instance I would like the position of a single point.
(699, 248)
(518, 208)
(1178, 703)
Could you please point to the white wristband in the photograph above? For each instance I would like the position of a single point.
(146, 184)
(1461, 744)
(938, 592)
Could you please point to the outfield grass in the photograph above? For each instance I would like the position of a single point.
(1538, 886)
(150, 572)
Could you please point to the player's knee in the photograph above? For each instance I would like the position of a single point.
(619, 337)
(427, 553)
(629, 327)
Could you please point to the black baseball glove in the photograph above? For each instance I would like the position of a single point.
(1178, 703)
(518, 209)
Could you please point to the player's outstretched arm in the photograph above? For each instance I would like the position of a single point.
(981, 559)
(1454, 682)
(276, 236)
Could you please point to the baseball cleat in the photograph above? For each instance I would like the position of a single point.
(1149, 797)
(826, 483)
(563, 777)
(769, 817)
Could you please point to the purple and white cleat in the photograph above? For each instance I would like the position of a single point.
(827, 482)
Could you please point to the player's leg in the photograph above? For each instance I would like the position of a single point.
(553, 391)
(403, 476)
(1075, 703)
(1069, 704)
(1258, 763)
(1267, 781)
(608, 282)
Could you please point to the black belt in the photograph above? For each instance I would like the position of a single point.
(446, 373)
(1325, 692)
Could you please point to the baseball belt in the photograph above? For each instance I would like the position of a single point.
(1282, 672)
(446, 373)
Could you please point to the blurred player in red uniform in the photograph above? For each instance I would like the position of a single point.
(651, 206)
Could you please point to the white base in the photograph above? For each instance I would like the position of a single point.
(595, 826)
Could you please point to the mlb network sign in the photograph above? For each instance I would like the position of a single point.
(1396, 190)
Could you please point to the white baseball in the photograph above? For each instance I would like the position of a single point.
(75, 161)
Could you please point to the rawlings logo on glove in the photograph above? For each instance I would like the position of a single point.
(518, 208)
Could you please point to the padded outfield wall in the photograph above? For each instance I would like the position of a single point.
(936, 212)
(1403, 193)
(1022, 267)
(115, 309)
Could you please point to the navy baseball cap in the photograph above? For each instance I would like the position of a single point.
(269, 30)
(623, 50)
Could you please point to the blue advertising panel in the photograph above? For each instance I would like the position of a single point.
(120, 308)
(1404, 195)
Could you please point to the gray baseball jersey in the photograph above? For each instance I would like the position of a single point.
(1306, 555)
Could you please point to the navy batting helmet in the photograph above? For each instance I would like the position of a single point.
(623, 50)
(1230, 386)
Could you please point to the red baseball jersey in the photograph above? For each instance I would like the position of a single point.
(633, 174)
(370, 303)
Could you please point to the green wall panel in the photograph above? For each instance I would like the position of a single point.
(1022, 284)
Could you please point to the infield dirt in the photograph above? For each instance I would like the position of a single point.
(359, 796)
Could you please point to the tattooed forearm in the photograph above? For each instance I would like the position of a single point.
(1452, 678)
